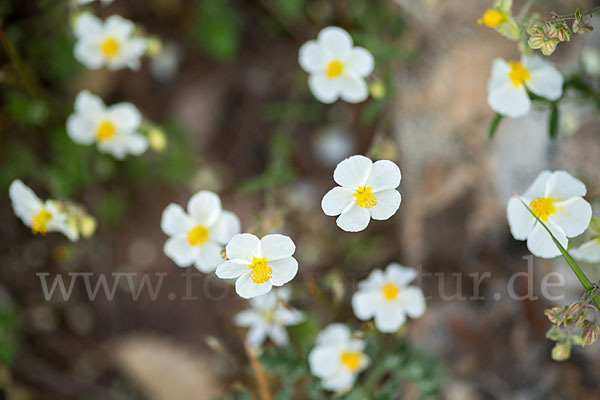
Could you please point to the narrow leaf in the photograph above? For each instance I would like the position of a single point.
(553, 121)
(494, 125)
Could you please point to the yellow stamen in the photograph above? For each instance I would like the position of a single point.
(105, 131)
(261, 271)
(197, 235)
(39, 222)
(364, 197)
(492, 18)
(351, 359)
(110, 47)
(334, 69)
(518, 73)
(543, 207)
(390, 291)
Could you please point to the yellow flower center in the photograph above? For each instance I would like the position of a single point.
(518, 73)
(197, 235)
(334, 68)
(105, 131)
(261, 271)
(364, 197)
(351, 359)
(390, 291)
(492, 18)
(543, 207)
(39, 222)
(110, 47)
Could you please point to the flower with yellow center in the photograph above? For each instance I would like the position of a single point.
(269, 316)
(337, 358)
(367, 190)
(258, 264)
(337, 69)
(41, 216)
(387, 297)
(556, 198)
(500, 19)
(492, 18)
(114, 129)
(510, 82)
(111, 43)
(198, 236)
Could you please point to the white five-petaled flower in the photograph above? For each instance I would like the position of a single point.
(258, 264)
(111, 43)
(509, 82)
(114, 129)
(268, 316)
(387, 297)
(337, 358)
(336, 68)
(367, 190)
(198, 236)
(556, 199)
(40, 216)
(589, 251)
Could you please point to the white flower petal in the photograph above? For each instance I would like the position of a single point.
(399, 274)
(340, 382)
(336, 41)
(231, 269)
(520, 220)
(87, 24)
(209, 257)
(352, 89)
(509, 100)
(385, 174)
(589, 251)
(284, 270)
(561, 186)
(324, 89)
(243, 246)
(225, 228)
(24, 201)
(324, 361)
(278, 335)
(246, 288)
(135, 143)
(276, 247)
(334, 334)
(204, 207)
(360, 62)
(538, 187)
(374, 280)
(174, 220)
(179, 250)
(353, 218)
(540, 243)
(353, 171)
(257, 335)
(412, 301)
(545, 80)
(87, 53)
(311, 57)
(119, 27)
(336, 200)
(573, 216)
(80, 130)
(365, 304)
(388, 202)
(389, 318)
(89, 104)
(126, 117)
(246, 318)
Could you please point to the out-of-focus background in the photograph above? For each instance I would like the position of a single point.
(240, 121)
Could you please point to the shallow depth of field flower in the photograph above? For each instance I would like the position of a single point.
(111, 43)
(367, 190)
(588, 251)
(338, 358)
(500, 18)
(386, 296)
(556, 198)
(41, 216)
(258, 264)
(337, 69)
(510, 81)
(268, 316)
(198, 236)
(114, 129)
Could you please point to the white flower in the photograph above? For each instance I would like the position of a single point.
(556, 199)
(588, 252)
(198, 236)
(336, 68)
(258, 264)
(110, 43)
(268, 316)
(337, 358)
(387, 297)
(508, 85)
(114, 128)
(104, 2)
(367, 190)
(41, 217)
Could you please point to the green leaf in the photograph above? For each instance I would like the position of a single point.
(494, 125)
(553, 121)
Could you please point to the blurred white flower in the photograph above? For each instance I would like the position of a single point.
(41, 217)
(337, 358)
(336, 68)
(333, 144)
(367, 190)
(588, 252)
(268, 316)
(387, 297)
(590, 59)
(509, 82)
(165, 64)
(556, 199)
(258, 264)
(198, 236)
(114, 128)
(110, 43)
(104, 2)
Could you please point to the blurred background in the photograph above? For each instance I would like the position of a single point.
(234, 104)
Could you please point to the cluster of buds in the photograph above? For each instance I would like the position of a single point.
(546, 35)
(581, 24)
(78, 220)
(570, 326)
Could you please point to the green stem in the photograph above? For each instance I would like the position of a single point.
(585, 281)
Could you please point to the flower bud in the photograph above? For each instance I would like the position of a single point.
(561, 351)
(157, 139)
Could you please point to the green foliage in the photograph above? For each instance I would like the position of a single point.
(216, 29)
(553, 120)
(9, 328)
(494, 124)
